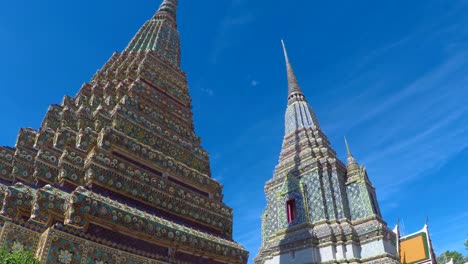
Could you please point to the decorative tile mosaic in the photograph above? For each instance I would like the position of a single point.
(335, 204)
(120, 163)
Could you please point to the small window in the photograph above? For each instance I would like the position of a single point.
(291, 210)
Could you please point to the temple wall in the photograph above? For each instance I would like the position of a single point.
(327, 253)
(61, 244)
(315, 197)
(298, 257)
(353, 251)
(60, 247)
(376, 248)
(18, 237)
(341, 253)
(55, 246)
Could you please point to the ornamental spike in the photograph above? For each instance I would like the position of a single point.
(168, 7)
(293, 84)
(347, 146)
(352, 163)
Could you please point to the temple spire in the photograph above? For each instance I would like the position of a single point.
(299, 114)
(168, 7)
(347, 147)
(352, 163)
(293, 84)
(160, 36)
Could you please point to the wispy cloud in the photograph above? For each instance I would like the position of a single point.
(425, 135)
(421, 85)
(254, 83)
(208, 91)
(420, 127)
(452, 234)
(416, 128)
(249, 239)
(237, 17)
(433, 80)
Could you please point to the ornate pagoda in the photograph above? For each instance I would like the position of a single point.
(319, 210)
(117, 174)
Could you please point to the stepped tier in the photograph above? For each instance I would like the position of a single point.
(84, 210)
(116, 173)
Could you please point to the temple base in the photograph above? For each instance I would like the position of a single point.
(62, 244)
(373, 252)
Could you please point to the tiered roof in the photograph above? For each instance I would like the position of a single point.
(121, 161)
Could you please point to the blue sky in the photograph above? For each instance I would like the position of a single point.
(390, 75)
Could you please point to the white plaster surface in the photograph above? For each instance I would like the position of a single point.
(341, 252)
(353, 251)
(334, 253)
(327, 253)
(300, 257)
(372, 249)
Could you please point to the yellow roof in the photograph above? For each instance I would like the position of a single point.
(414, 248)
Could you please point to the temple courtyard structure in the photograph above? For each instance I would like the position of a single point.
(319, 209)
(116, 174)
(322, 210)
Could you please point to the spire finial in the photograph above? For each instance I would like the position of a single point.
(169, 7)
(285, 52)
(347, 146)
(352, 163)
(160, 35)
(299, 114)
(293, 84)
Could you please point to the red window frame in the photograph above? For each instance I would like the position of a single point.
(291, 210)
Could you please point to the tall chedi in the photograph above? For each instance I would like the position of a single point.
(116, 174)
(318, 209)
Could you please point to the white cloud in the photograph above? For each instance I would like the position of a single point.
(237, 18)
(208, 91)
(434, 79)
(254, 83)
(409, 132)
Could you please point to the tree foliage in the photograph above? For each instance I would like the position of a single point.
(445, 257)
(17, 257)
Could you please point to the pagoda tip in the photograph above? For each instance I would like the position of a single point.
(347, 146)
(285, 51)
(170, 7)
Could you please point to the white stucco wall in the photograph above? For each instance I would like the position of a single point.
(334, 253)
(309, 255)
(372, 249)
(353, 251)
